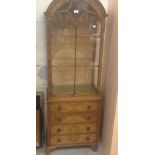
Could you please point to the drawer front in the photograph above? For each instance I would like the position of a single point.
(73, 118)
(73, 139)
(74, 106)
(73, 129)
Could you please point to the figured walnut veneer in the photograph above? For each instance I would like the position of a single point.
(73, 139)
(73, 128)
(73, 121)
(73, 118)
(74, 106)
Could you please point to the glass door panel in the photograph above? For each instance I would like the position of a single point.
(88, 39)
(62, 80)
(86, 79)
(62, 24)
(87, 51)
(63, 51)
(62, 40)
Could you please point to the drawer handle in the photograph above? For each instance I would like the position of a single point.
(87, 138)
(88, 128)
(59, 119)
(89, 107)
(58, 130)
(88, 118)
(59, 140)
(59, 108)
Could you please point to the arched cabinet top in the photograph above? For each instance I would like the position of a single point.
(95, 4)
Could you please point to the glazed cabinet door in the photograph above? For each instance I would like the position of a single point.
(74, 47)
(62, 52)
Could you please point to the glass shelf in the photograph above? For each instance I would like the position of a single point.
(65, 66)
(68, 89)
(78, 35)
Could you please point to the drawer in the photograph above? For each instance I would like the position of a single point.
(73, 128)
(73, 118)
(73, 139)
(74, 106)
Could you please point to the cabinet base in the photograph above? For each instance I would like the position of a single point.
(49, 149)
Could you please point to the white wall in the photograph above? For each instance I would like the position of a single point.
(41, 48)
(110, 82)
(114, 143)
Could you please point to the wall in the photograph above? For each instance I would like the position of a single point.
(110, 74)
(114, 144)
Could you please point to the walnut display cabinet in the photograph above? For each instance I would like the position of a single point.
(75, 35)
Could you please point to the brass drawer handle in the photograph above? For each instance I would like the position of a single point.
(59, 108)
(89, 107)
(88, 118)
(58, 130)
(59, 140)
(88, 128)
(87, 138)
(59, 119)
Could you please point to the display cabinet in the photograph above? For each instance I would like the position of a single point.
(75, 36)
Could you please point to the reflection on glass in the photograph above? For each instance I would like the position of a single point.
(89, 25)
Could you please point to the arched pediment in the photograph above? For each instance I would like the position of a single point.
(57, 4)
